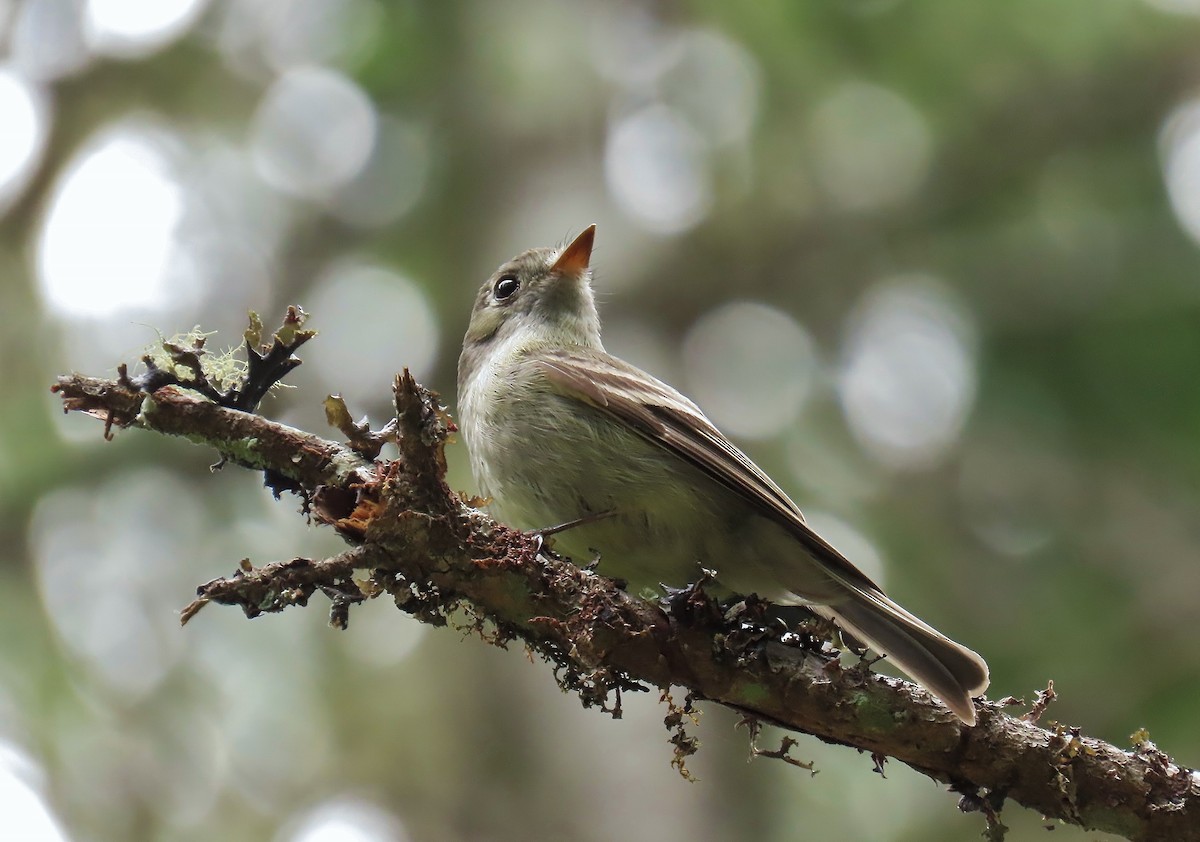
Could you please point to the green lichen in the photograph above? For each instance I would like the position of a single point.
(753, 694)
(873, 714)
(224, 369)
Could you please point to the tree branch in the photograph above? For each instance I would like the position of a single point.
(441, 559)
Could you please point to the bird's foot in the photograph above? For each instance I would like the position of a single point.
(540, 536)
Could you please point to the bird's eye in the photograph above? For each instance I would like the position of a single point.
(506, 288)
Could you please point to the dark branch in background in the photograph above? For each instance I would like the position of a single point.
(440, 559)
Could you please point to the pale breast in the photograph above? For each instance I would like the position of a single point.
(545, 459)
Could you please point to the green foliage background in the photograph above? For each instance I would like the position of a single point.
(1040, 206)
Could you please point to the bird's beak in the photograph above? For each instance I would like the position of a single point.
(573, 261)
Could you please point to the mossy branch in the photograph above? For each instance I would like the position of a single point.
(437, 556)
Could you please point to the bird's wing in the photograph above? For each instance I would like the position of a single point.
(661, 415)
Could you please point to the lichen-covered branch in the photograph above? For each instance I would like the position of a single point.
(441, 559)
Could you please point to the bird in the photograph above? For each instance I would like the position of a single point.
(558, 431)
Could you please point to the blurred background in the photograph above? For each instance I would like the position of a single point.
(934, 266)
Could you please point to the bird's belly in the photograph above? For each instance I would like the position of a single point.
(667, 520)
(572, 462)
(660, 537)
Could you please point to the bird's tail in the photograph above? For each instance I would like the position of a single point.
(949, 670)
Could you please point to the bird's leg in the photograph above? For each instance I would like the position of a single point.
(594, 563)
(540, 535)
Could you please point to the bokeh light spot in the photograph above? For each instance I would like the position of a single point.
(716, 85)
(24, 125)
(631, 46)
(26, 815)
(908, 377)
(135, 28)
(313, 132)
(657, 169)
(1176, 7)
(871, 147)
(108, 239)
(103, 584)
(257, 36)
(373, 322)
(750, 367)
(346, 820)
(47, 40)
(1179, 144)
(392, 181)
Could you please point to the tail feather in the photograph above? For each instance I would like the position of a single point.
(949, 670)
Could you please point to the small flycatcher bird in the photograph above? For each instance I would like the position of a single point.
(559, 431)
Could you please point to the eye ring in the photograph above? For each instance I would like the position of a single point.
(506, 287)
